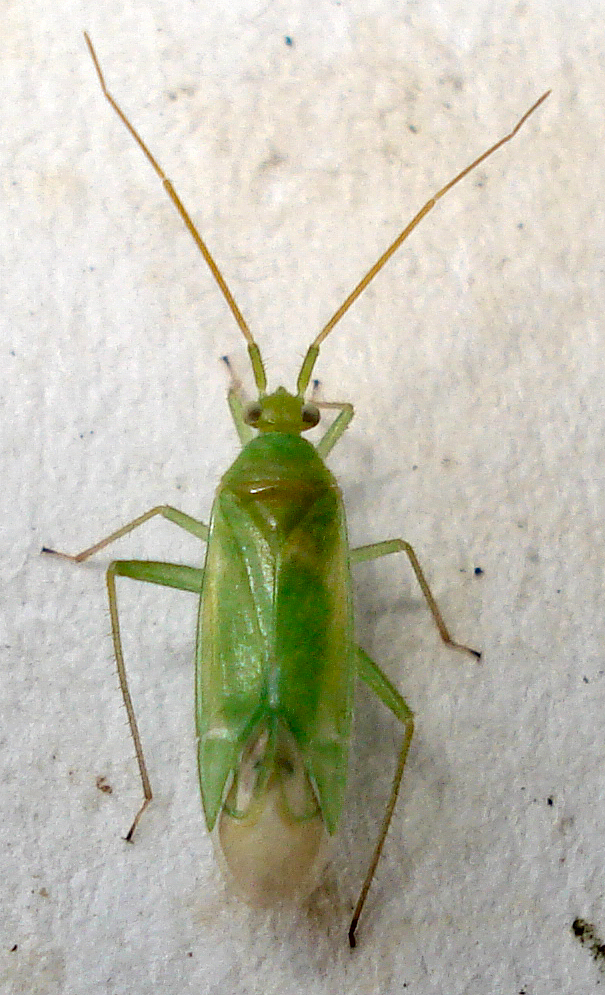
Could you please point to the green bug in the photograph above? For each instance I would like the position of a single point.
(275, 656)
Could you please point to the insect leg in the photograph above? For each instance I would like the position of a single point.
(382, 687)
(179, 518)
(170, 575)
(377, 549)
(338, 426)
(237, 406)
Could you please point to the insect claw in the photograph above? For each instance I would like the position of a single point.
(466, 649)
(236, 386)
(130, 833)
(56, 552)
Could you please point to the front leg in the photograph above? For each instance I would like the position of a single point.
(337, 428)
(186, 522)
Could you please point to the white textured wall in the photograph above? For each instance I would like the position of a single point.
(477, 368)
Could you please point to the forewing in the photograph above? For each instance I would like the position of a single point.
(314, 646)
(233, 640)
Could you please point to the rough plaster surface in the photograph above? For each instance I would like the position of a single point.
(477, 368)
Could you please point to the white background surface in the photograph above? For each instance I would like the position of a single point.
(476, 365)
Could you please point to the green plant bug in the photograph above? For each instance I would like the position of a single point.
(276, 657)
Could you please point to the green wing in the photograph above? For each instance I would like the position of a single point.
(314, 647)
(232, 644)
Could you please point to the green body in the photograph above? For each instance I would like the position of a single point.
(275, 631)
(275, 657)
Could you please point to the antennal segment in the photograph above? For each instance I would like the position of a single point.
(176, 200)
(311, 356)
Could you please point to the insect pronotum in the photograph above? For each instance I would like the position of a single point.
(275, 655)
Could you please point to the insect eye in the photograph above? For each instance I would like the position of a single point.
(253, 413)
(310, 415)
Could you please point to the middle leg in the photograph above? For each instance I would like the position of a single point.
(378, 549)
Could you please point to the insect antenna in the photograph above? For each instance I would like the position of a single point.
(313, 351)
(254, 351)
